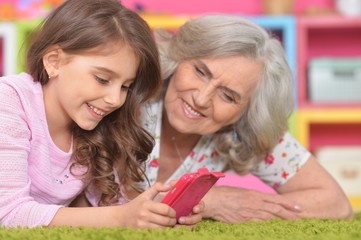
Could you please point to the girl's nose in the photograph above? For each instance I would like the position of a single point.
(115, 97)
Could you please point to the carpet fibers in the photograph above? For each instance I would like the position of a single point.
(207, 230)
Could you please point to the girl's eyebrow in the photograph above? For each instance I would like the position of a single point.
(106, 70)
(111, 73)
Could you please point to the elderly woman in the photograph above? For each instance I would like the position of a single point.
(225, 104)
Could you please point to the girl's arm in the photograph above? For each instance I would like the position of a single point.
(311, 192)
(142, 212)
(17, 207)
(82, 202)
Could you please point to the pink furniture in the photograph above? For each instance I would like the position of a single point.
(249, 182)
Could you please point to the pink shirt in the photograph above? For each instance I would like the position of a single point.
(34, 173)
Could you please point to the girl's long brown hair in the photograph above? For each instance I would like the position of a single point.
(118, 145)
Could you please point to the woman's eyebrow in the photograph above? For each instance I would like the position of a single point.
(209, 73)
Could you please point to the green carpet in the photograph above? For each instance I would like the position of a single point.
(207, 229)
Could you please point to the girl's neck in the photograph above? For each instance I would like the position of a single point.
(60, 128)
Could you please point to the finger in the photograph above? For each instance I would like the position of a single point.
(279, 199)
(164, 221)
(199, 207)
(190, 220)
(172, 183)
(154, 190)
(279, 211)
(162, 209)
(160, 196)
(292, 206)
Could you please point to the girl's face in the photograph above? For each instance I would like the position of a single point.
(89, 86)
(205, 95)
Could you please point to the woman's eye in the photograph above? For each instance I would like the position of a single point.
(101, 80)
(199, 71)
(228, 97)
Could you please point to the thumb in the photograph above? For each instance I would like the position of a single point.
(154, 190)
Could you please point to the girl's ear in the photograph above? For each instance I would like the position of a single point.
(51, 62)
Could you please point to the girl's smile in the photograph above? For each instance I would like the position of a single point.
(96, 112)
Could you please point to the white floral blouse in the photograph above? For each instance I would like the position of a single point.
(276, 169)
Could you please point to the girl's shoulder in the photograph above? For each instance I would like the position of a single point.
(21, 83)
(20, 91)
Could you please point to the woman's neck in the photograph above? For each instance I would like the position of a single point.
(174, 149)
(182, 141)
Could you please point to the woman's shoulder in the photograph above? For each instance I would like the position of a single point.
(283, 162)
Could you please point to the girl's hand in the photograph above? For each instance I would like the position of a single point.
(143, 212)
(193, 218)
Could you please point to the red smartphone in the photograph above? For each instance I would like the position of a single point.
(189, 190)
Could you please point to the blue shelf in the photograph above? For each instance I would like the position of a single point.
(287, 25)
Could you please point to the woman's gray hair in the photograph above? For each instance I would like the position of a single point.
(264, 122)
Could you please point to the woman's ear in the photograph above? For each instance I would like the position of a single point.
(51, 61)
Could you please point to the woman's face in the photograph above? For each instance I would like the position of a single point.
(205, 95)
(90, 86)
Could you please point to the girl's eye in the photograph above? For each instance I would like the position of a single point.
(101, 80)
(125, 88)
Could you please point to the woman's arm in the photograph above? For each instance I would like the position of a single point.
(317, 193)
(312, 192)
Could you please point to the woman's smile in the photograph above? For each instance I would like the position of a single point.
(190, 112)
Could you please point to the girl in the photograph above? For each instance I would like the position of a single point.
(90, 67)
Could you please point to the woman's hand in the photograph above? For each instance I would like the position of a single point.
(143, 212)
(233, 205)
(311, 190)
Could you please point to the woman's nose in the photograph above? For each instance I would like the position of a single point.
(203, 96)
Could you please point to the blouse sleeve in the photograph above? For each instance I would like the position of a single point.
(283, 163)
(17, 207)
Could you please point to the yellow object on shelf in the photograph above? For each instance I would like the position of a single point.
(355, 203)
(306, 117)
(165, 21)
